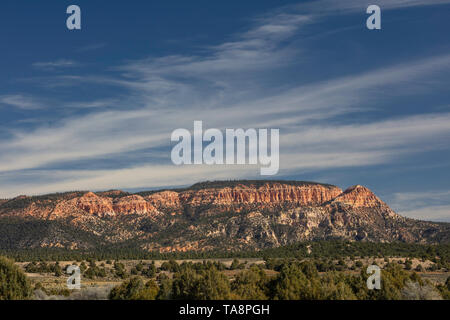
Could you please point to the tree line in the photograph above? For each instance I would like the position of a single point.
(310, 249)
(295, 281)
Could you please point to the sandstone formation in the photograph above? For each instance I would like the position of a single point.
(269, 193)
(207, 216)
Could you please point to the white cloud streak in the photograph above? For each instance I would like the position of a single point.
(20, 101)
(425, 205)
(430, 213)
(109, 132)
(51, 65)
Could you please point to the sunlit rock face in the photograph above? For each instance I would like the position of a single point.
(228, 215)
(269, 193)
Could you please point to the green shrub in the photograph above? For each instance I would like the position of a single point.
(135, 289)
(250, 285)
(14, 285)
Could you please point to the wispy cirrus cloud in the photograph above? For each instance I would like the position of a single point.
(93, 104)
(20, 101)
(57, 64)
(237, 83)
(91, 47)
(425, 205)
(112, 132)
(428, 213)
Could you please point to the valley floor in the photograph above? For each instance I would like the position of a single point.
(264, 277)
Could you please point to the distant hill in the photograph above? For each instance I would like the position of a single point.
(217, 215)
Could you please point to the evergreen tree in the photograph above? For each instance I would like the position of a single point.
(250, 285)
(165, 287)
(135, 289)
(14, 285)
(213, 285)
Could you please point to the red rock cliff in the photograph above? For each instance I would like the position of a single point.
(359, 196)
(173, 202)
(93, 204)
(269, 193)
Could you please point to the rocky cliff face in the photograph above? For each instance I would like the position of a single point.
(116, 203)
(267, 194)
(358, 197)
(93, 204)
(105, 206)
(227, 215)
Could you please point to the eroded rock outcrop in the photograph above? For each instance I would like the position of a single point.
(269, 193)
(93, 204)
(133, 204)
(213, 215)
(359, 196)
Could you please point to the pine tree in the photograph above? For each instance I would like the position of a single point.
(14, 285)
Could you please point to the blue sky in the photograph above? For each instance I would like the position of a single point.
(94, 109)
